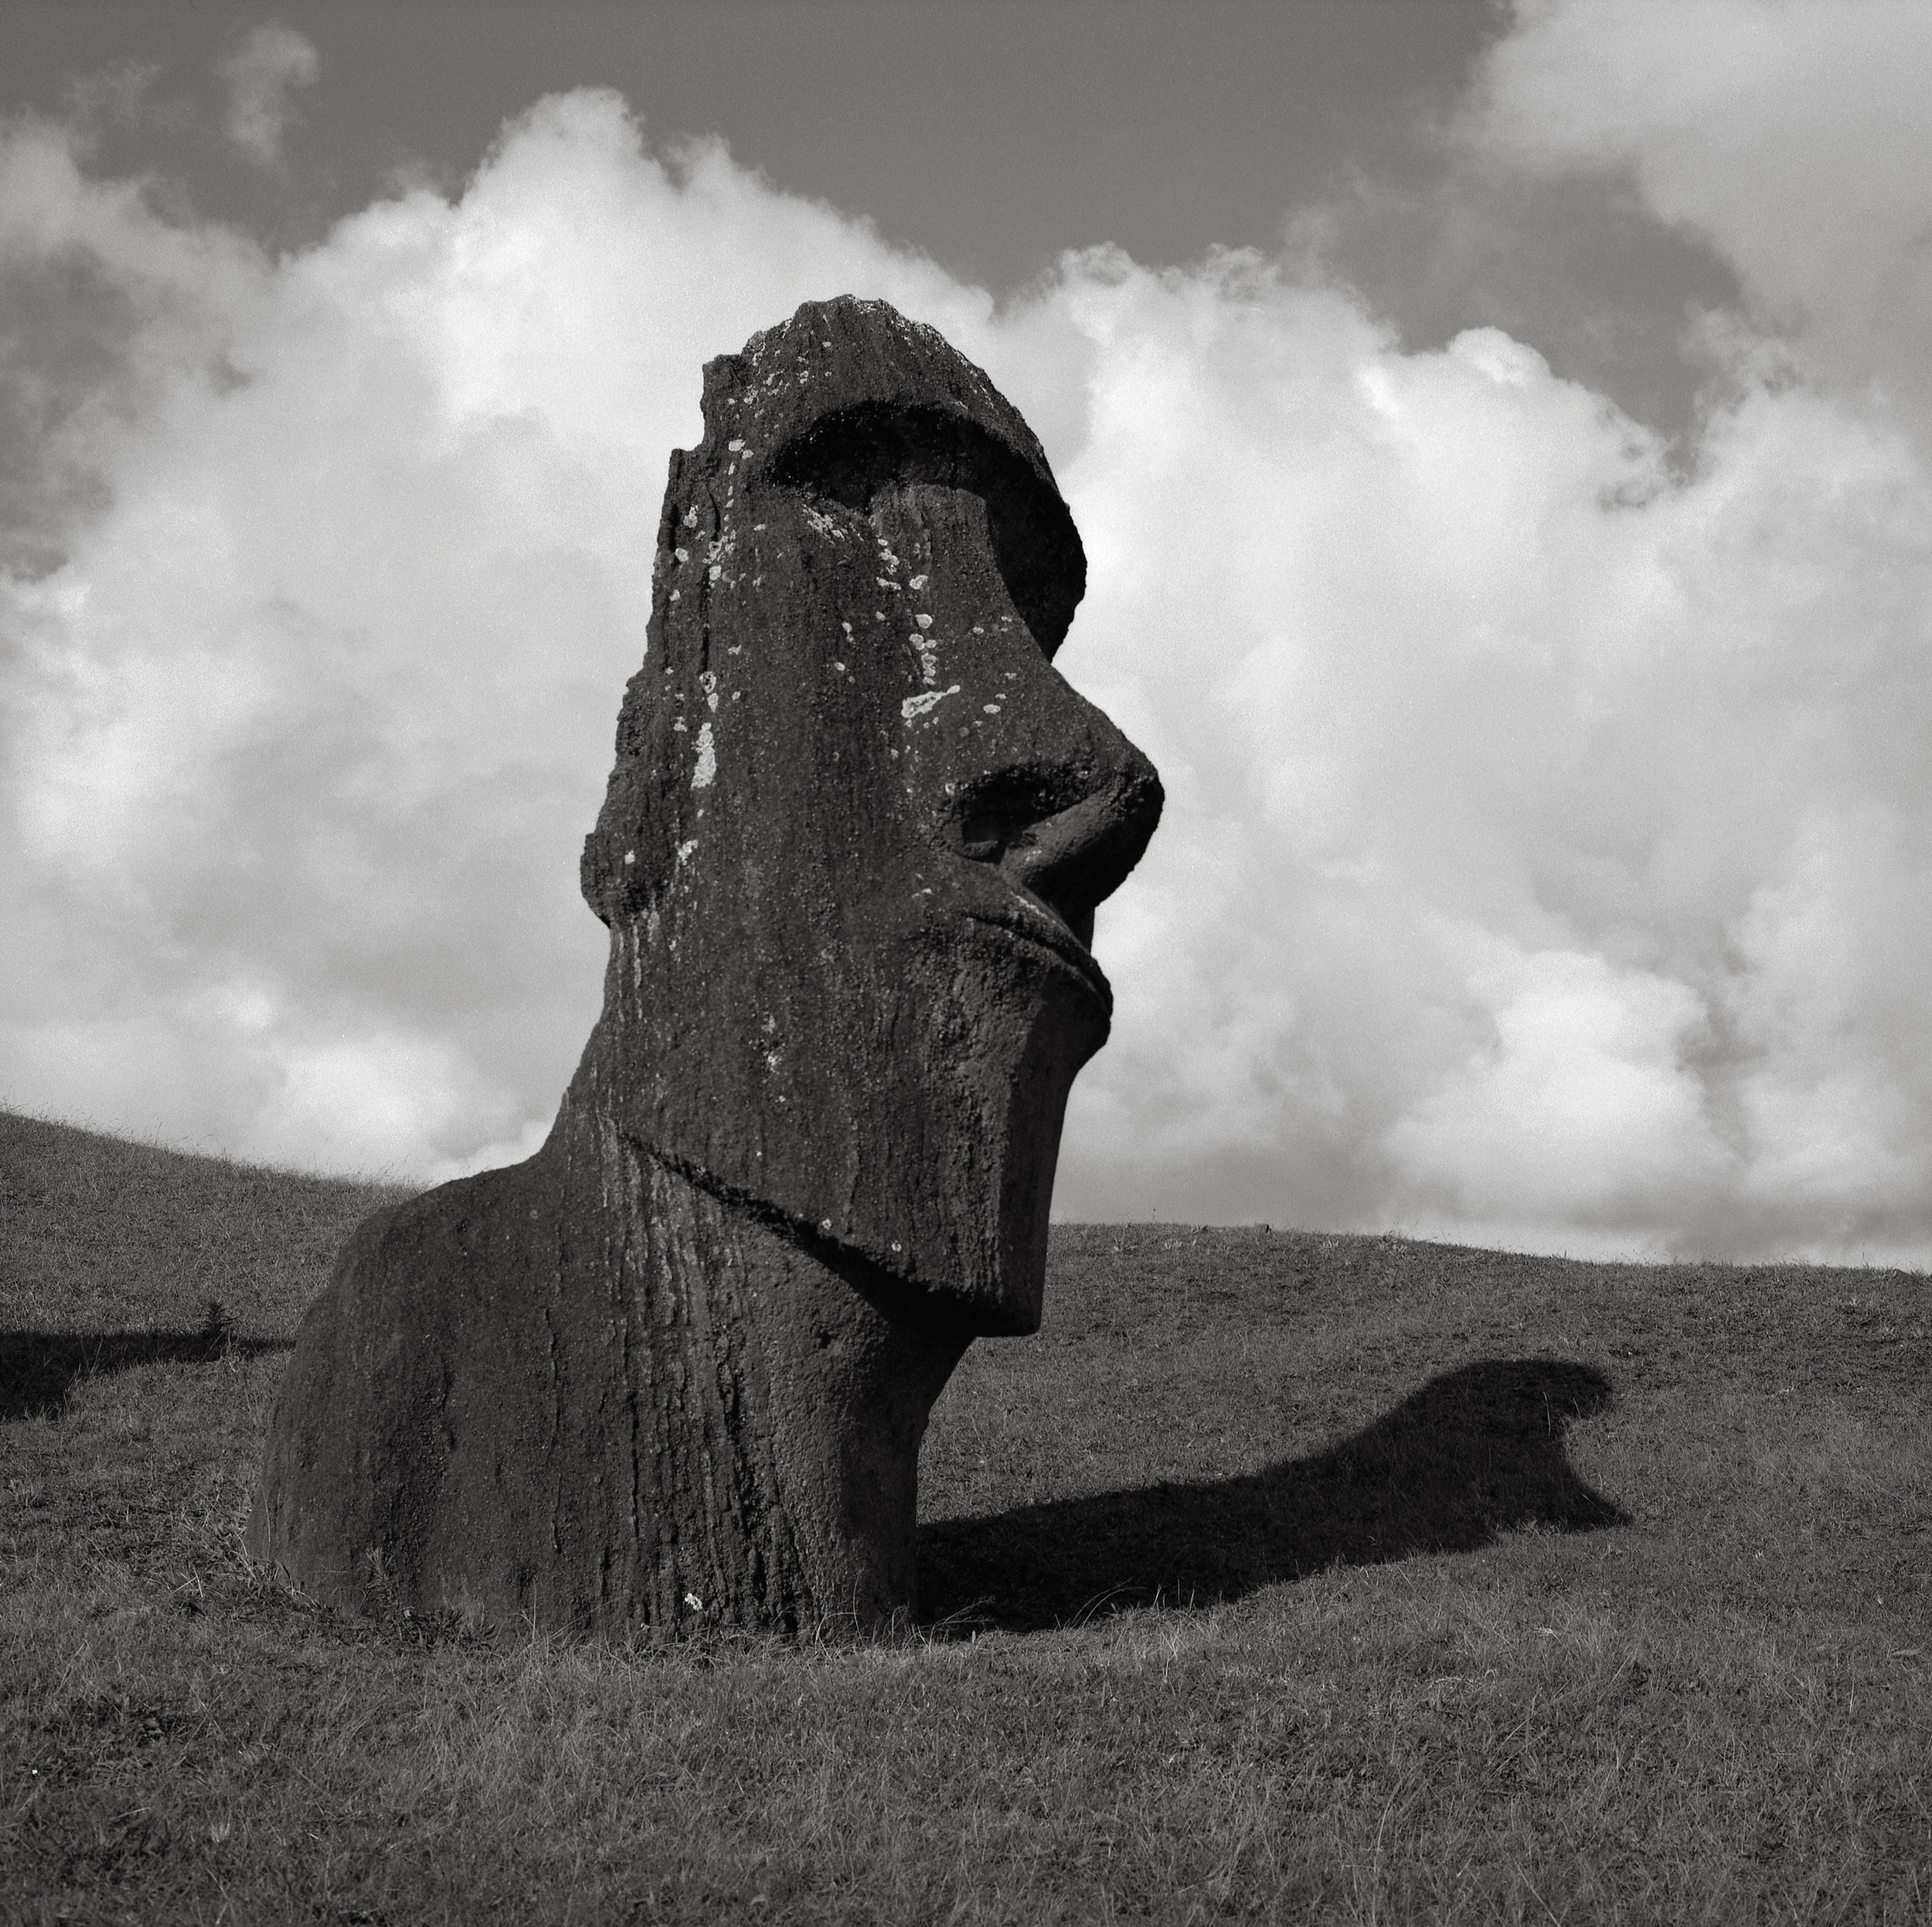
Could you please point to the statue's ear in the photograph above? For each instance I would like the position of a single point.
(627, 857)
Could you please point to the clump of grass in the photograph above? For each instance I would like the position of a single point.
(1281, 1577)
(217, 1328)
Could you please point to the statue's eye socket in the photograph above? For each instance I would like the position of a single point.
(847, 457)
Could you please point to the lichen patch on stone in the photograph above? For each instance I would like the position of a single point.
(915, 707)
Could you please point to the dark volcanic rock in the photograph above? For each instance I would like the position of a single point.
(676, 1367)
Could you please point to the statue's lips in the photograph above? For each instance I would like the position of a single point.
(1044, 931)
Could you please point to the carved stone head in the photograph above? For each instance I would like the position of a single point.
(858, 823)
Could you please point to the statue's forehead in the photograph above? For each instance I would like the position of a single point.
(849, 395)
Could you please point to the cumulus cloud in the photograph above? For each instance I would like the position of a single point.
(1792, 136)
(259, 75)
(1540, 824)
(1548, 852)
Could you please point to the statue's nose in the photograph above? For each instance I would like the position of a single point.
(1067, 832)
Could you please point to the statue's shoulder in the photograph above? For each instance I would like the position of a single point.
(488, 1220)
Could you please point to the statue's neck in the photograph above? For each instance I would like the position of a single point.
(768, 1376)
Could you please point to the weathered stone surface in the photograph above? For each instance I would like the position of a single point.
(677, 1366)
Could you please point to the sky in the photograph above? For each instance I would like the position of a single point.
(1500, 436)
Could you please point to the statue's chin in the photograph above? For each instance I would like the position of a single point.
(955, 1213)
(913, 1145)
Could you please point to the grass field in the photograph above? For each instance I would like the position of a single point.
(1281, 1577)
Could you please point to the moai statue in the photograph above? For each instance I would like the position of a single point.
(675, 1369)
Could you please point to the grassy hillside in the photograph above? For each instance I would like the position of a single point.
(1281, 1577)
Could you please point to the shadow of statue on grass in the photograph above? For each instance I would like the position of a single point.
(1474, 1452)
(38, 1370)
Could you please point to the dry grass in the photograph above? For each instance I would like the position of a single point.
(1281, 1578)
